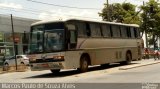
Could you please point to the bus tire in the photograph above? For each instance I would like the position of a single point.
(84, 64)
(55, 71)
(128, 59)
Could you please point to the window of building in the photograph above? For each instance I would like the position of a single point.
(115, 31)
(106, 30)
(95, 30)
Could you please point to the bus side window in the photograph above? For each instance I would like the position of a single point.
(115, 31)
(72, 36)
(123, 32)
(106, 31)
(81, 29)
(88, 30)
(128, 32)
(138, 32)
(95, 30)
(133, 34)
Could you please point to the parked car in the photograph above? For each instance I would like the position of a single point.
(150, 52)
(21, 60)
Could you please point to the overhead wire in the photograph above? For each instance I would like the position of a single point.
(37, 12)
(62, 5)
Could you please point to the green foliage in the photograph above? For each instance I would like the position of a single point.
(148, 17)
(151, 21)
(117, 12)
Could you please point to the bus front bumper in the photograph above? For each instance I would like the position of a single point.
(46, 66)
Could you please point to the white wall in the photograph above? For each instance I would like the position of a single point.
(144, 39)
(20, 24)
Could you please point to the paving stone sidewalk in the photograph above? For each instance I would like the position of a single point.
(143, 62)
(13, 69)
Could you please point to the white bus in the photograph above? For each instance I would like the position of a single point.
(75, 43)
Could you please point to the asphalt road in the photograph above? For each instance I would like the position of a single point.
(111, 74)
(150, 73)
(65, 76)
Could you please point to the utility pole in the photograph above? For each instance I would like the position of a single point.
(108, 14)
(13, 37)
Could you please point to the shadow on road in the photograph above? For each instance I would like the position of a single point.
(75, 72)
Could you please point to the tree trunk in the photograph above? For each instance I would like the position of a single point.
(146, 39)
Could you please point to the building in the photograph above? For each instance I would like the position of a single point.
(150, 37)
(21, 29)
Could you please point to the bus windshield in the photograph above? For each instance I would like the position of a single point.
(47, 38)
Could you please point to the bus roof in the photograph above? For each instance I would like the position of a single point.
(96, 21)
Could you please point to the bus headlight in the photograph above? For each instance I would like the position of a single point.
(58, 57)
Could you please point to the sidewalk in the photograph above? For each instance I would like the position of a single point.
(1, 70)
(13, 69)
(143, 62)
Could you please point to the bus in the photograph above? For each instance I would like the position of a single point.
(77, 44)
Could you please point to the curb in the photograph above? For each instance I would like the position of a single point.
(1, 70)
(139, 65)
(13, 70)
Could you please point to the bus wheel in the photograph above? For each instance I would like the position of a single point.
(128, 59)
(55, 71)
(84, 64)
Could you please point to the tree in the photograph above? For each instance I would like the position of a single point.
(117, 12)
(151, 20)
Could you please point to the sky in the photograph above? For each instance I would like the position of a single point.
(86, 9)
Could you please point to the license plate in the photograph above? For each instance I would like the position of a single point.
(55, 66)
(45, 65)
